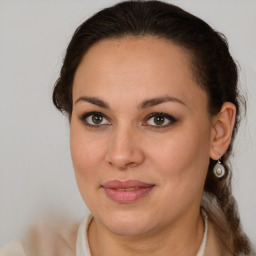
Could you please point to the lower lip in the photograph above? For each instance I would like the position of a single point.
(127, 196)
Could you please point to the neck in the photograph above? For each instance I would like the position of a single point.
(182, 238)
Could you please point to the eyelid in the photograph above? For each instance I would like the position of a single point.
(171, 119)
(84, 116)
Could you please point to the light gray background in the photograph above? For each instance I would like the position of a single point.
(36, 174)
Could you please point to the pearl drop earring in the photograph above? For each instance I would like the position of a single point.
(219, 169)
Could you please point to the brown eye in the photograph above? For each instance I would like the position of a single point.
(159, 120)
(96, 119)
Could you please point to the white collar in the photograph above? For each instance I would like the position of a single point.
(202, 247)
(82, 245)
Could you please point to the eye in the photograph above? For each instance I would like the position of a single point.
(95, 119)
(160, 120)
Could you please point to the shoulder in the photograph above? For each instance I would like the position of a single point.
(47, 237)
(13, 249)
(54, 239)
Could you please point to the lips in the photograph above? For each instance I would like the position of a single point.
(125, 192)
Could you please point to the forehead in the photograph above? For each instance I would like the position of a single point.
(145, 65)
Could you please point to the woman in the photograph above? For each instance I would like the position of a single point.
(151, 95)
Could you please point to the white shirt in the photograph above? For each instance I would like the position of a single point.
(82, 245)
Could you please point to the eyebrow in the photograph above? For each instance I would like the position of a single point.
(94, 101)
(145, 104)
(159, 100)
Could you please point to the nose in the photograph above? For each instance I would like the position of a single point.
(125, 150)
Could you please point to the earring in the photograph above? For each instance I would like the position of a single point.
(219, 169)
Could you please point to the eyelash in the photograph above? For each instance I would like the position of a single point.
(170, 118)
(86, 115)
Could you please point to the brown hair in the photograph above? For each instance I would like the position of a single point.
(214, 70)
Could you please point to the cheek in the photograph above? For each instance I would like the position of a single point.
(85, 155)
(182, 164)
(86, 147)
(183, 156)
(87, 151)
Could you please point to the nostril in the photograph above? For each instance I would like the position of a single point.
(124, 151)
(125, 161)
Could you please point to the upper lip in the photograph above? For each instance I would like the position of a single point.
(115, 184)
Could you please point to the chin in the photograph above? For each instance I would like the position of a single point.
(127, 223)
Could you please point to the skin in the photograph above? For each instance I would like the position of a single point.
(124, 73)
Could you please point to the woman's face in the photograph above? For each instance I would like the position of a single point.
(140, 135)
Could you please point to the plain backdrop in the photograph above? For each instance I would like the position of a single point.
(36, 173)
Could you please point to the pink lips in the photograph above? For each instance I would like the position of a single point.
(125, 192)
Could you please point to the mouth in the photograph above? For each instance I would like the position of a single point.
(125, 192)
(127, 189)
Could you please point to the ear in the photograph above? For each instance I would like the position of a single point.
(222, 128)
